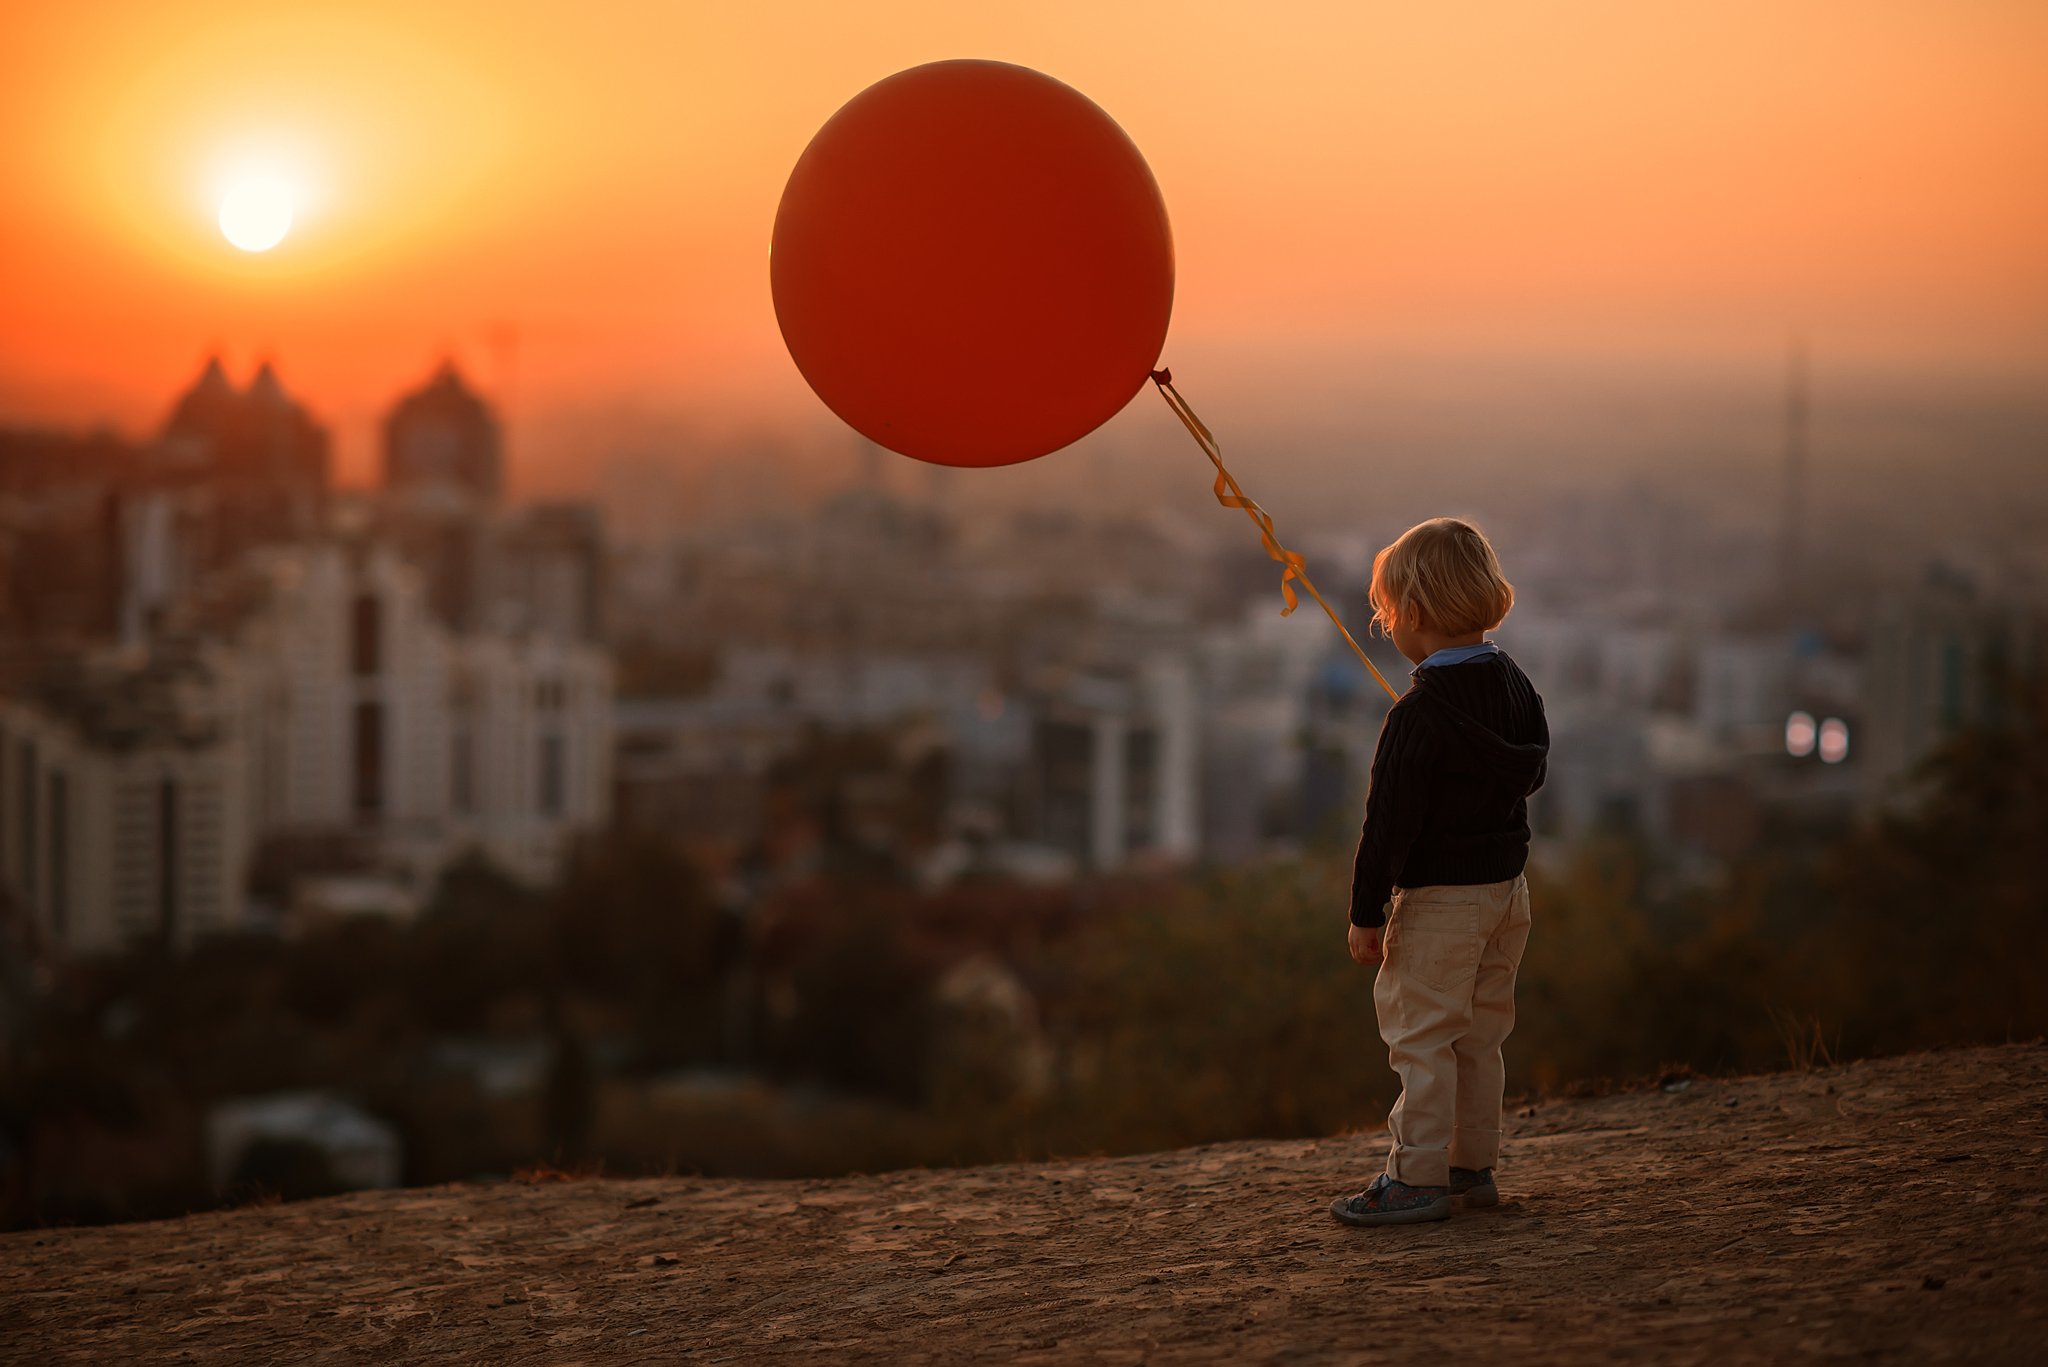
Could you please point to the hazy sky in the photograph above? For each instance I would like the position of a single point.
(576, 199)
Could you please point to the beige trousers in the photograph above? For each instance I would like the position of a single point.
(1446, 999)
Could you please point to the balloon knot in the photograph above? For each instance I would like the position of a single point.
(1162, 376)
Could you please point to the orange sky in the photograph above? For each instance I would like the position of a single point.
(1669, 184)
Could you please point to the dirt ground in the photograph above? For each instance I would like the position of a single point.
(1891, 1210)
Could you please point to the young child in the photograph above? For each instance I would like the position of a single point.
(1447, 835)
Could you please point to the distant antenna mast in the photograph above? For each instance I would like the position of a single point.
(1792, 543)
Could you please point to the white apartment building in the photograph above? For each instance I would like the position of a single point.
(328, 700)
(1116, 768)
(121, 814)
(359, 710)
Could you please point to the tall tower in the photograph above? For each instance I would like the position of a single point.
(443, 471)
(443, 446)
(1792, 535)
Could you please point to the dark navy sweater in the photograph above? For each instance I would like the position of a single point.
(1458, 756)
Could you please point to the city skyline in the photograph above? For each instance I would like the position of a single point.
(1366, 197)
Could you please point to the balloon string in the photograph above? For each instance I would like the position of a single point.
(1231, 496)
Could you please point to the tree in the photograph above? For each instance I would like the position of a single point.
(1939, 913)
(634, 924)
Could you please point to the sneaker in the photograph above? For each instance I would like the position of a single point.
(1387, 1202)
(1470, 1188)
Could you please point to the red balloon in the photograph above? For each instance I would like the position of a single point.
(972, 264)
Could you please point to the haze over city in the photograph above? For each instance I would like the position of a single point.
(1580, 236)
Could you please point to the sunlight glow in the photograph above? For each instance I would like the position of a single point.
(256, 213)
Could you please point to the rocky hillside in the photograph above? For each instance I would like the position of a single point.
(1891, 1210)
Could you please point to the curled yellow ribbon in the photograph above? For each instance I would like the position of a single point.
(1231, 496)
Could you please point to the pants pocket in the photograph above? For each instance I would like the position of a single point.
(1436, 943)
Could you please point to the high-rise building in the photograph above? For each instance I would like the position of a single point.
(257, 451)
(442, 447)
(549, 571)
(1115, 768)
(328, 705)
(443, 473)
(60, 534)
(121, 812)
(232, 470)
(360, 711)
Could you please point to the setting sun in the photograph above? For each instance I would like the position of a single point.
(256, 213)
(635, 710)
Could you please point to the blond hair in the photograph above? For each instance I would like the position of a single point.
(1446, 571)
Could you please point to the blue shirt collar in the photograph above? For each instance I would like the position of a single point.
(1456, 655)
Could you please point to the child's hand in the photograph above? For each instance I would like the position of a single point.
(1364, 943)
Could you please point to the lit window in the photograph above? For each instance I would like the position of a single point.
(1834, 740)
